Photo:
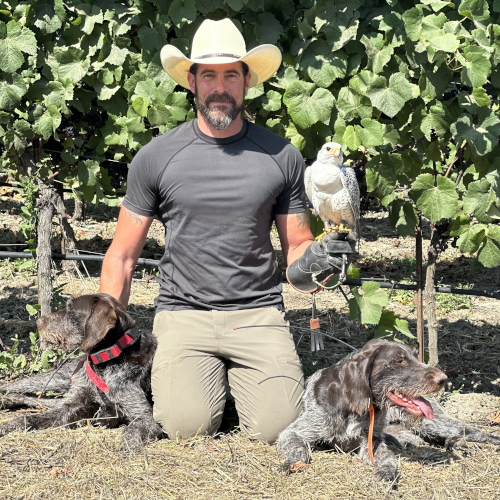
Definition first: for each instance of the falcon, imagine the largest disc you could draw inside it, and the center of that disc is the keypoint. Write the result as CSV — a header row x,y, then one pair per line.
x,y
333,190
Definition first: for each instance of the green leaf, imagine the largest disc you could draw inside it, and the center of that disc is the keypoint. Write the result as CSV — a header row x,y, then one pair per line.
x,y
369,304
70,63
117,56
12,89
471,237
268,29
272,102
352,104
481,137
476,67
47,124
434,119
479,200
413,23
445,43
378,53
182,11
152,39
489,254
322,65
18,40
381,177
403,217
371,132
437,200
160,115
351,138
476,10
390,98
307,104
46,18
87,172
141,105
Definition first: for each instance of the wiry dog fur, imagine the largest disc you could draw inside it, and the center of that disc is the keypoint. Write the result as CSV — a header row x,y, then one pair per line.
x,y
337,400
91,322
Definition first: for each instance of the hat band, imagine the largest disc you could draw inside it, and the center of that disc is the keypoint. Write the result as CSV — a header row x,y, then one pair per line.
x,y
217,55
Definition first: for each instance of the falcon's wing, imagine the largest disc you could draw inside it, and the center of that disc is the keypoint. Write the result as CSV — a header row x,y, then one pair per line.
x,y
351,186
308,183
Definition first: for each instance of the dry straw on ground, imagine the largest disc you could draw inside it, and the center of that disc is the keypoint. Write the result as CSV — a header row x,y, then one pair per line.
x,y
85,464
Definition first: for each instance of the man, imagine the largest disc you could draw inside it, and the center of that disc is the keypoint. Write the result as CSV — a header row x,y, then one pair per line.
x,y
217,183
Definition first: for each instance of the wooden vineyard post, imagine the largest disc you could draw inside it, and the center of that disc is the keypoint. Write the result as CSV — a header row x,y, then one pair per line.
x,y
420,324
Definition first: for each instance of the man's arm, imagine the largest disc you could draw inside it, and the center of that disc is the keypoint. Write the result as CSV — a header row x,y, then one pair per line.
x,y
295,235
121,257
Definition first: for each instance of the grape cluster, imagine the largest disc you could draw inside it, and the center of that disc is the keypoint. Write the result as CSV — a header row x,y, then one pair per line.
x,y
441,246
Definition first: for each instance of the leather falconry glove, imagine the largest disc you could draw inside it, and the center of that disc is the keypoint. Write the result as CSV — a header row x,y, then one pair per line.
x,y
324,259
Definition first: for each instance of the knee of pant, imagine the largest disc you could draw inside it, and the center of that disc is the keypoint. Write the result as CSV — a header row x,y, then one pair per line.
x,y
269,427
186,426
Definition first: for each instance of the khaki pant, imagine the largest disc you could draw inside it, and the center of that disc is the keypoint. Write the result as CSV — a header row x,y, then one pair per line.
x,y
189,370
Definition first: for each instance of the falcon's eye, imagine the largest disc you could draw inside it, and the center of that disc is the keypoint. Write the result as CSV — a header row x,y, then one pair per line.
x,y
328,149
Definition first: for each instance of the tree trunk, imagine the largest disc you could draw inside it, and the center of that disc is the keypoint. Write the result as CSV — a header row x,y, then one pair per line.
x,y
79,213
45,204
67,234
430,299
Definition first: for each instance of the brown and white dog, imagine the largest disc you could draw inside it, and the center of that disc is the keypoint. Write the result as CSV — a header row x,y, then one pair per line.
x,y
385,379
112,383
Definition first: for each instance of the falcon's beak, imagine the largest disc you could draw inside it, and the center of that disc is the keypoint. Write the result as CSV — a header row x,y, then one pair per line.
x,y
335,152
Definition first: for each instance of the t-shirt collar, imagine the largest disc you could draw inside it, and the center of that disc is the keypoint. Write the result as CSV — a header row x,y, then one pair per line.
x,y
226,140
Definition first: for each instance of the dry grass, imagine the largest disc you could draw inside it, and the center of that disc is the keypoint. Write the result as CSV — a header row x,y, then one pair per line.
x,y
85,464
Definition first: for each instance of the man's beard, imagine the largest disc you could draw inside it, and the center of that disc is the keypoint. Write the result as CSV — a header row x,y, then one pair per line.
x,y
219,118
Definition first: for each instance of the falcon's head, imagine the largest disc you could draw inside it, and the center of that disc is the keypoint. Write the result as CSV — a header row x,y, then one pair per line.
x,y
331,153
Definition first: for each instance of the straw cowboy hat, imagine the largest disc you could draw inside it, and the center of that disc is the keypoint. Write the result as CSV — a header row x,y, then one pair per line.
x,y
220,42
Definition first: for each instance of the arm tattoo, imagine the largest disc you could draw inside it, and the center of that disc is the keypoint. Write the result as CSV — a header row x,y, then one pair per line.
x,y
133,216
303,219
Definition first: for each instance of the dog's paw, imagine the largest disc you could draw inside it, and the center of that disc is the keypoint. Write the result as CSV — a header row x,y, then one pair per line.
x,y
389,474
297,467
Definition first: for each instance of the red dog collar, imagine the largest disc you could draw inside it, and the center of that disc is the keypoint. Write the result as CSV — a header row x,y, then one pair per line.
x,y
129,338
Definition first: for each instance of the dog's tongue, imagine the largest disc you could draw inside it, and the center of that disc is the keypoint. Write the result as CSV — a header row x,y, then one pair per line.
x,y
425,407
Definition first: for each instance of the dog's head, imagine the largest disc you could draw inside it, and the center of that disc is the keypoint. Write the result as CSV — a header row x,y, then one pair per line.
x,y
84,322
389,374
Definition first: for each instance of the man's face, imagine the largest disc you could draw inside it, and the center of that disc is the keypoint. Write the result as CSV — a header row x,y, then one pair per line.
x,y
219,91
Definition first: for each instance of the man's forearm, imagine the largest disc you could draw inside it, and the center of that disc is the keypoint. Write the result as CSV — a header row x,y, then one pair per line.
x,y
116,276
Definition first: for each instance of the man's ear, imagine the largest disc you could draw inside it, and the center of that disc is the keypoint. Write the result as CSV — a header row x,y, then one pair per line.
x,y
99,322
192,82
247,83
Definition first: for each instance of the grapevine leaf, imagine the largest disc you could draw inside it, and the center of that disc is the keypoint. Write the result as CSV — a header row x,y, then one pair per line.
x,y
87,172
352,104
479,200
307,104
18,40
378,53
447,43
476,10
489,253
268,29
272,102
437,200
152,39
381,177
476,67
117,56
45,16
371,132
47,124
434,119
322,65
182,11
12,89
482,137
403,217
351,138
413,23
390,98
71,63
369,304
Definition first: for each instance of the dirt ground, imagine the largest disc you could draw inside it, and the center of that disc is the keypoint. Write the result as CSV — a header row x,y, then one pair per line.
x,y
469,347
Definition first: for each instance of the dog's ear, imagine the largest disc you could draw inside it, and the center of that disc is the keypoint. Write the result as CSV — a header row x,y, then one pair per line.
x,y
355,378
100,320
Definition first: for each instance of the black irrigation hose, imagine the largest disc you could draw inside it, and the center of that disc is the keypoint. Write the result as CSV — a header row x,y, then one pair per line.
x,y
350,282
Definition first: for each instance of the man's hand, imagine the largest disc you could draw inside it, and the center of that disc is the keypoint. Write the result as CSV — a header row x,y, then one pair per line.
x,y
322,258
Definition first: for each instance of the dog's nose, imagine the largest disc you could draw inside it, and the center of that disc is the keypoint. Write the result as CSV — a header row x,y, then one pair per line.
x,y
440,378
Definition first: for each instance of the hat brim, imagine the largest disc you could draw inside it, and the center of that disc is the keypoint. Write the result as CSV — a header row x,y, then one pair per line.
x,y
263,62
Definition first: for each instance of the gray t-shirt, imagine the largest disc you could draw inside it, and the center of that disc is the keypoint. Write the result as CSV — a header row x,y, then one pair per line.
x,y
217,199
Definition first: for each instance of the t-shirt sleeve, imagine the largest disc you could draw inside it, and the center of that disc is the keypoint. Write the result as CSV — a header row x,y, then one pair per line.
x,y
292,200
142,196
